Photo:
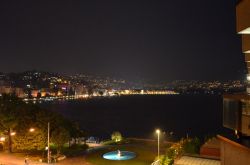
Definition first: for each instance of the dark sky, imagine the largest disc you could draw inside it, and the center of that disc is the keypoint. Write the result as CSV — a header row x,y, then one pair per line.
x,y
153,39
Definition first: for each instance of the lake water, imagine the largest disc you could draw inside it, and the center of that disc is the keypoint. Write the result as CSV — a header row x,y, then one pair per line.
x,y
139,116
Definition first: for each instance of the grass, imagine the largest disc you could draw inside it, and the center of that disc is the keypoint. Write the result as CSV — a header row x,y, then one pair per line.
x,y
146,153
112,142
74,150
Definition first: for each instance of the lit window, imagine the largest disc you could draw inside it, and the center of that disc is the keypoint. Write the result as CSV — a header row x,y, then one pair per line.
x,y
248,77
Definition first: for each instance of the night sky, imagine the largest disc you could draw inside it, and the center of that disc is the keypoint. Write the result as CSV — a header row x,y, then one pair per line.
x,y
152,39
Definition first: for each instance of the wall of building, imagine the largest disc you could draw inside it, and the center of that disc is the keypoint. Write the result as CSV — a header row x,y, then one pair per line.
x,y
243,27
243,15
231,154
211,148
245,42
245,124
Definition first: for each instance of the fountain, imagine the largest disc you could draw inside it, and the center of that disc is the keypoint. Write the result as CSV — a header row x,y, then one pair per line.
x,y
119,155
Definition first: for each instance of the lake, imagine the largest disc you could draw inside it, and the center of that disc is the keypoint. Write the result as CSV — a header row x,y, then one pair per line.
x,y
139,116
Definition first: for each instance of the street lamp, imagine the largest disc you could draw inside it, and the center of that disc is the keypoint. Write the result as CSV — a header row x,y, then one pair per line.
x,y
13,133
158,137
48,143
32,129
2,139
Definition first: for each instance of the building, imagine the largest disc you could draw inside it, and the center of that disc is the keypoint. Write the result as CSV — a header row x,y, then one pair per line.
x,y
6,90
81,90
191,160
211,149
235,145
19,92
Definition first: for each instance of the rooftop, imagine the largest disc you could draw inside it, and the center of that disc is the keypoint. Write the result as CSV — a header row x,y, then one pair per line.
x,y
187,160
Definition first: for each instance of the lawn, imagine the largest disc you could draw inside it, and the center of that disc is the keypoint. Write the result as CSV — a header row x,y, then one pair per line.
x,y
145,151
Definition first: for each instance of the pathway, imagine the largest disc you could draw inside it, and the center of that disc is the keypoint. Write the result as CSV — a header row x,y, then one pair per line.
x,y
11,159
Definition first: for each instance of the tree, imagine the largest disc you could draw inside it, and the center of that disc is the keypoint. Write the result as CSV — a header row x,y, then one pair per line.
x,y
116,136
9,105
59,137
17,116
187,145
25,141
74,130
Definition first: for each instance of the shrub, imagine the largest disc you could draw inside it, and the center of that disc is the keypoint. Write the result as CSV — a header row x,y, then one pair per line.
x,y
116,136
192,146
165,160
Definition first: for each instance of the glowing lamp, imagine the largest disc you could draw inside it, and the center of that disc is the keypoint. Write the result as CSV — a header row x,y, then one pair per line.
x,y
13,133
248,77
32,130
2,139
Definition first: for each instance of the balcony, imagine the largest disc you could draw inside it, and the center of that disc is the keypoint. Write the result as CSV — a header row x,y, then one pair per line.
x,y
243,17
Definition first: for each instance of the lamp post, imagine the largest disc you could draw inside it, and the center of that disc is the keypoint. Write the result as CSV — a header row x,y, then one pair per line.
x,y
158,139
10,141
48,144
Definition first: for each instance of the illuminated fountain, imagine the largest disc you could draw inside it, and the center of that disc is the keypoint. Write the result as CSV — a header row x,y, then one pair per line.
x,y
119,155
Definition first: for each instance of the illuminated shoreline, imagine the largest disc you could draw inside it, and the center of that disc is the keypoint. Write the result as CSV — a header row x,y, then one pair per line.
x,y
96,95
